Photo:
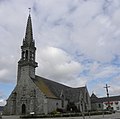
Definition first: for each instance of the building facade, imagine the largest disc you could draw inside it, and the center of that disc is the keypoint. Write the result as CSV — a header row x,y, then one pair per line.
x,y
37,94
105,103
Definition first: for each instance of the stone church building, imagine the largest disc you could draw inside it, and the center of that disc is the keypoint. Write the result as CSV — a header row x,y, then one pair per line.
x,y
37,94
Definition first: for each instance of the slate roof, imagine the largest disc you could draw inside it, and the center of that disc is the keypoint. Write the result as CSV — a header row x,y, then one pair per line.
x,y
95,99
52,89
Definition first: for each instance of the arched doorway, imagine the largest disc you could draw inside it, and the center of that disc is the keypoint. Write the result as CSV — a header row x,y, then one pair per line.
x,y
23,109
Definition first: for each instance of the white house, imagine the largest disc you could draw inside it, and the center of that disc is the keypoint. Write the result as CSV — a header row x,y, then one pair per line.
x,y
113,102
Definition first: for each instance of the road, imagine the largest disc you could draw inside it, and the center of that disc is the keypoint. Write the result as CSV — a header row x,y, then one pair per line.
x,y
112,116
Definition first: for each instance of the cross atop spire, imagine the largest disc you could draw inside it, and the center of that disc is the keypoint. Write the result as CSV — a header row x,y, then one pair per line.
x,y
29,10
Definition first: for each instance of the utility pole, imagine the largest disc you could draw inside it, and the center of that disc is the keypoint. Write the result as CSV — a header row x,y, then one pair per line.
x,y
81,101
107,87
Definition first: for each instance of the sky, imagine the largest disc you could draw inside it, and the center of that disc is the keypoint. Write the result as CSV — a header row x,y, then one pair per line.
x,y
78,42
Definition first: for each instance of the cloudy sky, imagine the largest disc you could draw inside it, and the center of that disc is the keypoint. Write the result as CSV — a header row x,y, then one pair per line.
x,y
78,42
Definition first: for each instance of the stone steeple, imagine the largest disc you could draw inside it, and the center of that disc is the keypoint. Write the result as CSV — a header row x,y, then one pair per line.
x,y
29,33
28,40
27,61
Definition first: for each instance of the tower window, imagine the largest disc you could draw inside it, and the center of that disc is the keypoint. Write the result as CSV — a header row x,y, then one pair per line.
x,y
26,56
23,55
31,55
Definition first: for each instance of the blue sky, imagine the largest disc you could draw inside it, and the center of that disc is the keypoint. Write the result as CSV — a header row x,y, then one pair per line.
x,y
78,42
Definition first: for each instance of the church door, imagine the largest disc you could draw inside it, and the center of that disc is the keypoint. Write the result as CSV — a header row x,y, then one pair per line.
x,y
23,109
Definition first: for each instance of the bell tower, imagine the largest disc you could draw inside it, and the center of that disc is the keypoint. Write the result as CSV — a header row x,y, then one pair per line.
x,y
27,64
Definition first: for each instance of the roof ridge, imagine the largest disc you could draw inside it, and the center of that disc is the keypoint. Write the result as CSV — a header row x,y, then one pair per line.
x,y
60,83
53,81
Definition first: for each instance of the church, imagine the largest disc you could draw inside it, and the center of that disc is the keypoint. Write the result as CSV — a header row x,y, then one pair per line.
x,y
38,95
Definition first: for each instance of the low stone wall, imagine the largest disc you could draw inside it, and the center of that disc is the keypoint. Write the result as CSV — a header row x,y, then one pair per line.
x,y
67,115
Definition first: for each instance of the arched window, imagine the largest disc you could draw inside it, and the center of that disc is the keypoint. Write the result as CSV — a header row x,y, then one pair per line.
x,y
31,55
23,109
23,55
26,56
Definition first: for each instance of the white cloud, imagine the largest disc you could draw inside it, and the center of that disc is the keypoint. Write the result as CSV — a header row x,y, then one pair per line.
x,y
115,86
8,69
3,73
77,41
60,66
2,102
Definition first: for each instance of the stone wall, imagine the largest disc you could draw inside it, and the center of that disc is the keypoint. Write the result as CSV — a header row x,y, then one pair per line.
x,y
27,94
53,104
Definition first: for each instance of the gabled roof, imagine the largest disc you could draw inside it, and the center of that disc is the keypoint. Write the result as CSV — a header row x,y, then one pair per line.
x,y
104,99
113,98
93,96
52,89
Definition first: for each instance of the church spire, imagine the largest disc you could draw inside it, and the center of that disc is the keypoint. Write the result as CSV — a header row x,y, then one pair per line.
x,y
28,50
29,32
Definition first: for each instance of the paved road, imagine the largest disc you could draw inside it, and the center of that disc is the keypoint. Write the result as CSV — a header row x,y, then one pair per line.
x,y
112,116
